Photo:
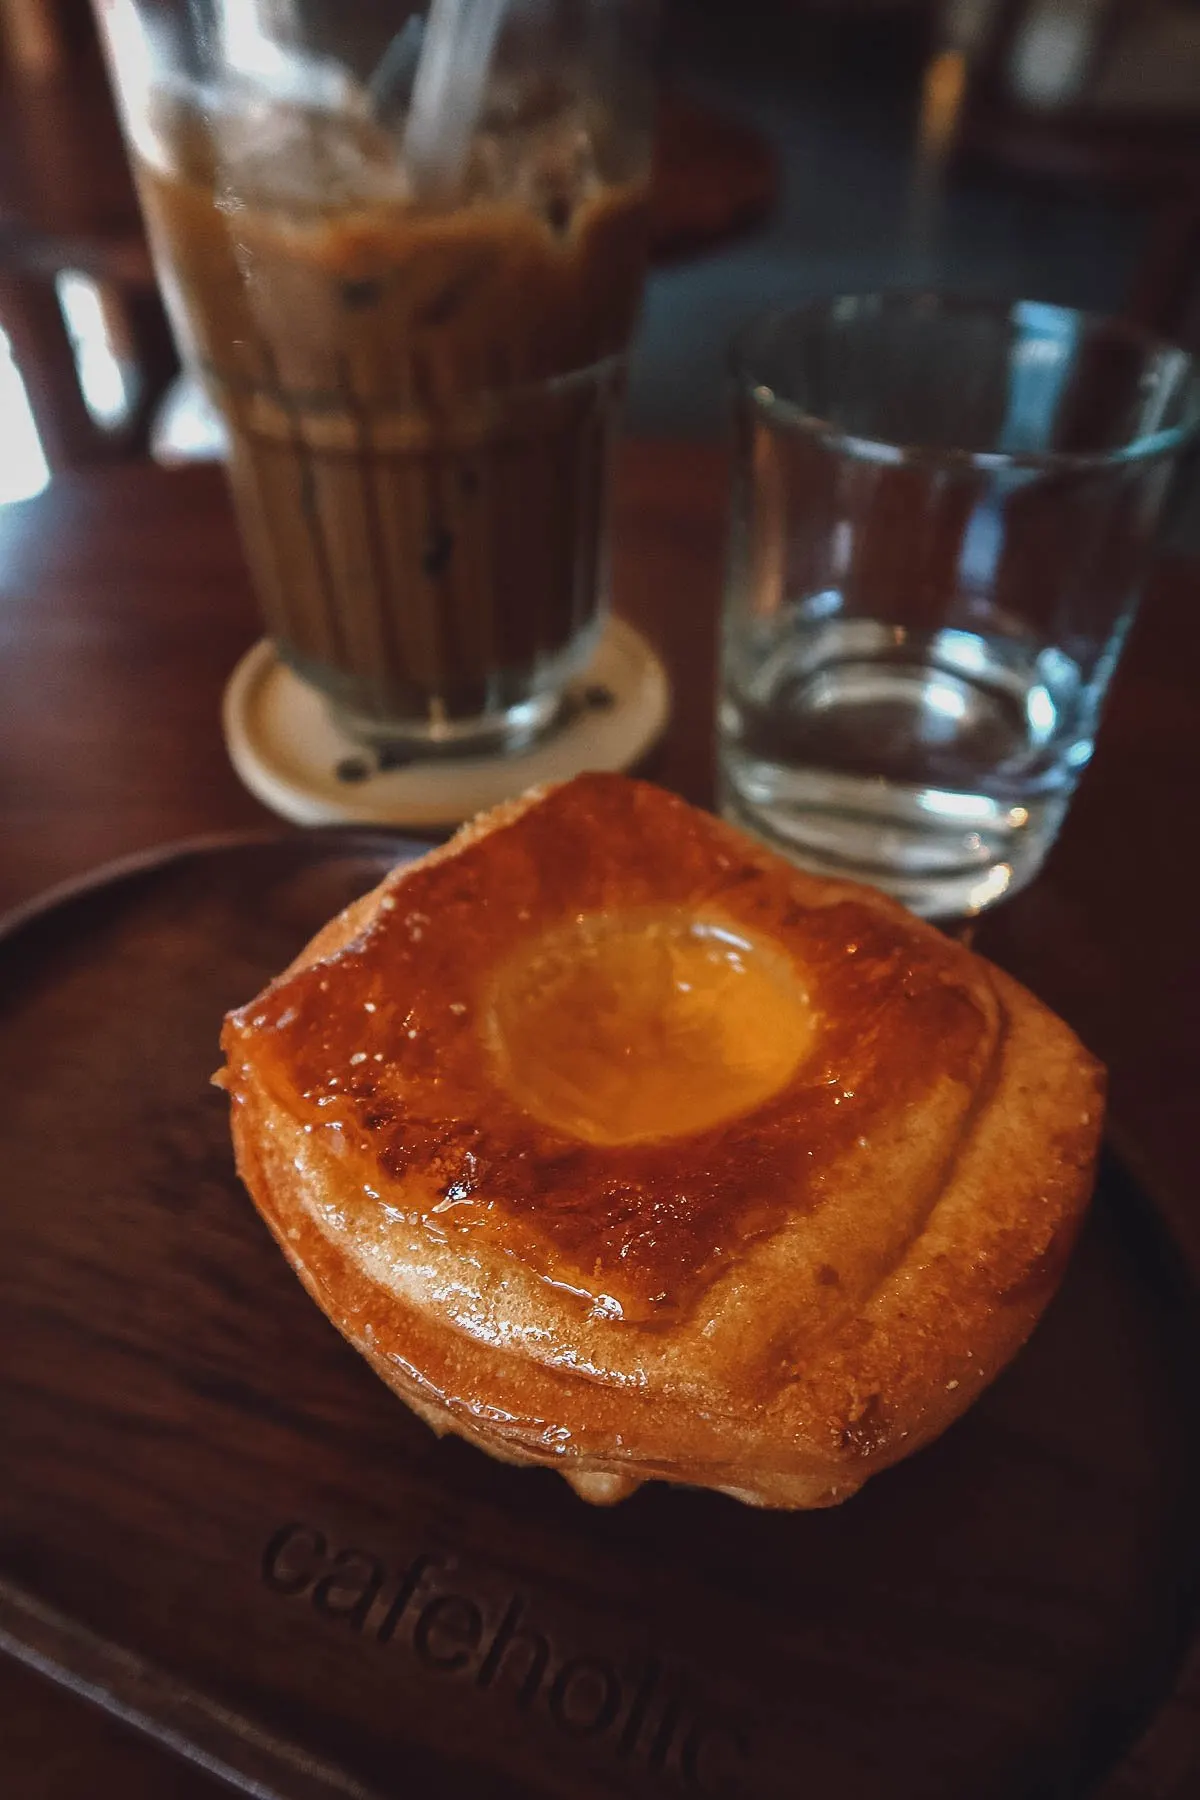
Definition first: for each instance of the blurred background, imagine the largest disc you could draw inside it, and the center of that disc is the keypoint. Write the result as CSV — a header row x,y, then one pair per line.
x,y
1047,148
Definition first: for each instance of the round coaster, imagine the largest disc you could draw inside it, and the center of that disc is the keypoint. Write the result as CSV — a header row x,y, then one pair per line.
x,y
285,745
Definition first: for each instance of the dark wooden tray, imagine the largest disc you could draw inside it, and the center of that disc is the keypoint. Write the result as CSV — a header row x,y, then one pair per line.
x,y
217,1522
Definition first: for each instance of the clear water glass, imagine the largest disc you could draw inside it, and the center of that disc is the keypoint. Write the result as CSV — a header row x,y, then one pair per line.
x,y
943,511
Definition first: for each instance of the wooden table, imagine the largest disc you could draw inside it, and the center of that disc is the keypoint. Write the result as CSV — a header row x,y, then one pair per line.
x,y
123,606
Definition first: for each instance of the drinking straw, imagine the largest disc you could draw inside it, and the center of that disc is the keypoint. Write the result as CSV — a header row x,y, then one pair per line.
x,y
456,54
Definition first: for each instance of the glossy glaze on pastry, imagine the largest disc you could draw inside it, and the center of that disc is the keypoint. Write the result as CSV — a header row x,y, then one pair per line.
x,y
616,1143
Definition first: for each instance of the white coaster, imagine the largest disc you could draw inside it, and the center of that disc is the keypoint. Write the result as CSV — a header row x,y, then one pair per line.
x,y
284,744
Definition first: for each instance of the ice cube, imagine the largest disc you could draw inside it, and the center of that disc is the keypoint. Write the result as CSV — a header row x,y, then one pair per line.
x,y
557,172
548,165
278,153
251,49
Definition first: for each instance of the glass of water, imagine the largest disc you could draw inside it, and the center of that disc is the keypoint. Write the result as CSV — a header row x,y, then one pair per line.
x,y
942,513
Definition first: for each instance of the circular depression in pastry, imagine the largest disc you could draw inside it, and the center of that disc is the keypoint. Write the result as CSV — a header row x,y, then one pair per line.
x,y
639,1025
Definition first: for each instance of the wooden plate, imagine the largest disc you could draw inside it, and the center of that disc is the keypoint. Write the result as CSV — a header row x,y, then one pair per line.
x,y
216,1521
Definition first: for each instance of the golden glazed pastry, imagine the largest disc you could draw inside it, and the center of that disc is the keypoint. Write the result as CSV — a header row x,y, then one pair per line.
x,y
615,1143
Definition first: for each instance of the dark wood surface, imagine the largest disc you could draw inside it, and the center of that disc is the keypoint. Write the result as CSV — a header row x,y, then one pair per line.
x,y
200,1471
122,608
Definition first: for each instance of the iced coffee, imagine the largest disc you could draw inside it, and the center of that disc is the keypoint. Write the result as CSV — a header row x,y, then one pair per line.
x,y
419,394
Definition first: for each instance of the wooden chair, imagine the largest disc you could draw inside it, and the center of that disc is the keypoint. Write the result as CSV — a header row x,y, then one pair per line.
x,y
68,206
1083,122
1079,90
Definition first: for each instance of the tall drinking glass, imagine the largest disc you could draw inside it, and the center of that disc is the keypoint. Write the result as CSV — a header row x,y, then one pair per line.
x,y
942,515
406,271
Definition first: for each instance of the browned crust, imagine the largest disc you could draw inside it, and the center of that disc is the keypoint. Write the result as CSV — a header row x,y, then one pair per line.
x,y
735,1396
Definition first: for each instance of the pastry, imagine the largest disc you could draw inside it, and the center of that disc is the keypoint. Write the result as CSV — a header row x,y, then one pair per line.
x,y
619,1145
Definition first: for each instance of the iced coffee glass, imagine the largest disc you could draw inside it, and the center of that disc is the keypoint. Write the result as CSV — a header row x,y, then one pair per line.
x,y
418,357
